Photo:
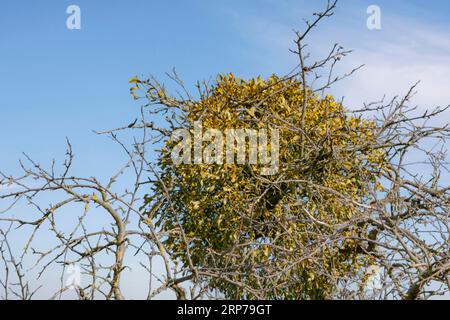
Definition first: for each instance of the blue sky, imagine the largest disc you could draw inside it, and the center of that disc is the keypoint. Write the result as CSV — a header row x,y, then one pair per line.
x,y
56,82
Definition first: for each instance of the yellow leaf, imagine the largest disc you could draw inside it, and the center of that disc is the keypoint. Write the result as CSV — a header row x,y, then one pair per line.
x,y
134,80
196,204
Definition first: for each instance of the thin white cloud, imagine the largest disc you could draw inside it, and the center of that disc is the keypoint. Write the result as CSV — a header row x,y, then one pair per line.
x,y
396,57
393,64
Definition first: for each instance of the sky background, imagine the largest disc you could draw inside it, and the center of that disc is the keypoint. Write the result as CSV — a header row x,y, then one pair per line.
x,y
56,82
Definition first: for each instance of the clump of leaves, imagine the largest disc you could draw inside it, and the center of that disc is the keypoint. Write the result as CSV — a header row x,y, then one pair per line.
x,y
280,236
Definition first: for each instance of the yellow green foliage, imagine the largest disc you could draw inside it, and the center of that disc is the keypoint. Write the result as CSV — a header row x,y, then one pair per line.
x,y
251,225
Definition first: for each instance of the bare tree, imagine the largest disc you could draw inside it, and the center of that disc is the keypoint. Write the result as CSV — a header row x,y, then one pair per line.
x,y
401,226
99,251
